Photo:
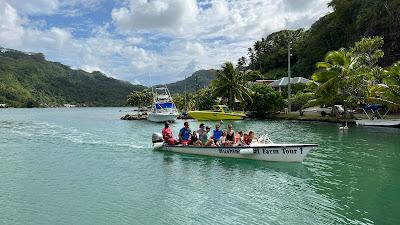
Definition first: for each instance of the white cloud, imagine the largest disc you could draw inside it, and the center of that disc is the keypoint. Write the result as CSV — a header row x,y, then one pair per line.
x,y
49,7
10,25
34,6
166,15
167,39
222,18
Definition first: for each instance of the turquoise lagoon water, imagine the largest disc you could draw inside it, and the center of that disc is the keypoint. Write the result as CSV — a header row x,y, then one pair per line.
x,y
86,166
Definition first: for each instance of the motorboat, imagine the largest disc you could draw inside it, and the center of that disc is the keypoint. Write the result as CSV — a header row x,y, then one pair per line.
x,y
260,150
376,119
218,112
164,108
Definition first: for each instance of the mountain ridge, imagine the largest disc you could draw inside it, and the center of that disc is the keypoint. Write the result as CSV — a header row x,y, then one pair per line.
x,y
199,79
29,80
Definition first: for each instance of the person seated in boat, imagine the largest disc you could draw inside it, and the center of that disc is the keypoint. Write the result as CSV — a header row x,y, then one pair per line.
x,y
206,138
224,141
201,131
238,136
185,134
167,134
230,134
217,133
248,138
239,139
195,139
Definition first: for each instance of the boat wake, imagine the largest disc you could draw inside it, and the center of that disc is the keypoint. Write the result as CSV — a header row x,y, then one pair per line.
x,y
46,132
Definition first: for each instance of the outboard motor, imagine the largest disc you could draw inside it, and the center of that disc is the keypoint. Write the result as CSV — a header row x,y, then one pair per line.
x,y
157,137
157,140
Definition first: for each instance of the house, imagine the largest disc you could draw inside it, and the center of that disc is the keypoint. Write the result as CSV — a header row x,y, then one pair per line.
x,y
278,84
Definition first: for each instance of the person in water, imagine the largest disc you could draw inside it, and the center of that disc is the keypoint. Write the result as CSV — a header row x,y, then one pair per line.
x,y
217,133
185,134
167,135
230,134
194,139
206,139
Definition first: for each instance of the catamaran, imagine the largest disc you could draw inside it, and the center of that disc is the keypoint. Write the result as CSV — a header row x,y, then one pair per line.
x,y
164,108
263,149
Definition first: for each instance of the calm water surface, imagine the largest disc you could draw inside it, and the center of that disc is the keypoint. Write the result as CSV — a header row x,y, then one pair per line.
x,y
85,166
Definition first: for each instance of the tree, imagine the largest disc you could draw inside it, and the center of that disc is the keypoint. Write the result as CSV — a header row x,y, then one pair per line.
x,y
242,63
231,84
140,98
367,53
252,75
265,100
388,93
179,101
203,99
345,76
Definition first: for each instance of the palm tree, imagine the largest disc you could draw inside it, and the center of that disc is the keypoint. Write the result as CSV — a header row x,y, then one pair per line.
x,y
231,84
339,81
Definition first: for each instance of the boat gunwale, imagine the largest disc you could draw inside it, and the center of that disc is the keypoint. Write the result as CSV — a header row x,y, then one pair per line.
x,y
244,147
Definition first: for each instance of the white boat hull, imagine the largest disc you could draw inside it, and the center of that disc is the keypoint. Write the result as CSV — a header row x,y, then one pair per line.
x,y
379,122
162,117
265,152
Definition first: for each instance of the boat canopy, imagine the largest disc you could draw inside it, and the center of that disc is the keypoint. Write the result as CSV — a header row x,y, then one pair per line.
x,y
164,105
372,107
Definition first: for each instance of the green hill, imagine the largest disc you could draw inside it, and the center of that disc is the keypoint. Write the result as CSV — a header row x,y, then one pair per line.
x,y
29,80
198,80
349,21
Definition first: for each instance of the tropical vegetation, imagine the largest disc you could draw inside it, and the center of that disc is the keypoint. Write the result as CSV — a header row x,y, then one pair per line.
x,y
231,85
140,98
29,80
353,77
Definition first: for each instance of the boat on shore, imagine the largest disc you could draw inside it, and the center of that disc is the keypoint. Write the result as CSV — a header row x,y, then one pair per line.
x,y
219,112
376,119
164,108
379,122
255,151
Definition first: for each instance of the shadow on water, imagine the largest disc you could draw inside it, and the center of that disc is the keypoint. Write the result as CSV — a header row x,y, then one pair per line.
x,y
245,165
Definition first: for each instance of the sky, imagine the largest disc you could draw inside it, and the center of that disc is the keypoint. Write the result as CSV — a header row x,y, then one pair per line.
x,y
148,41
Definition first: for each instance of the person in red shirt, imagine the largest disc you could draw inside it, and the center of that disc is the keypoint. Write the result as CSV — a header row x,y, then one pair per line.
x,y
167,135
249,138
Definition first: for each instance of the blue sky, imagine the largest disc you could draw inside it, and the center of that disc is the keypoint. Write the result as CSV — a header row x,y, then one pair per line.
x,y
148,41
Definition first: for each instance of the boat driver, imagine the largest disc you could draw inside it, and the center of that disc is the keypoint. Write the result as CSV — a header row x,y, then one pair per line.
x,y
185,134
167,134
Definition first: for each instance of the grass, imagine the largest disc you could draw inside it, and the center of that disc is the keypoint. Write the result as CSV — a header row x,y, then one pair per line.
x,y
310,116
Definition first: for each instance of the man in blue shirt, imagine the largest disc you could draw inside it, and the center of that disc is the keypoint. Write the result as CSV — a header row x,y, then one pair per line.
x,y
185,133
217,133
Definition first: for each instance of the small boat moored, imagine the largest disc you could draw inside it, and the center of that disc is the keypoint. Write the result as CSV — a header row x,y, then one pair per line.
x,y
376,119
255,151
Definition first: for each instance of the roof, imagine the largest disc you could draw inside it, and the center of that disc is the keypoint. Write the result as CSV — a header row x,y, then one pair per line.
x,y
263,82
293,80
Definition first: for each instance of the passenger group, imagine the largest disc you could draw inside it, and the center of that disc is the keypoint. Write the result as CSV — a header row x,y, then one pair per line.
x,y
203,137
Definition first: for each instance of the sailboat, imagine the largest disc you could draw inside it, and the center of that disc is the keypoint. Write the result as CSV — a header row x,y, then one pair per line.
x,y
164,108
